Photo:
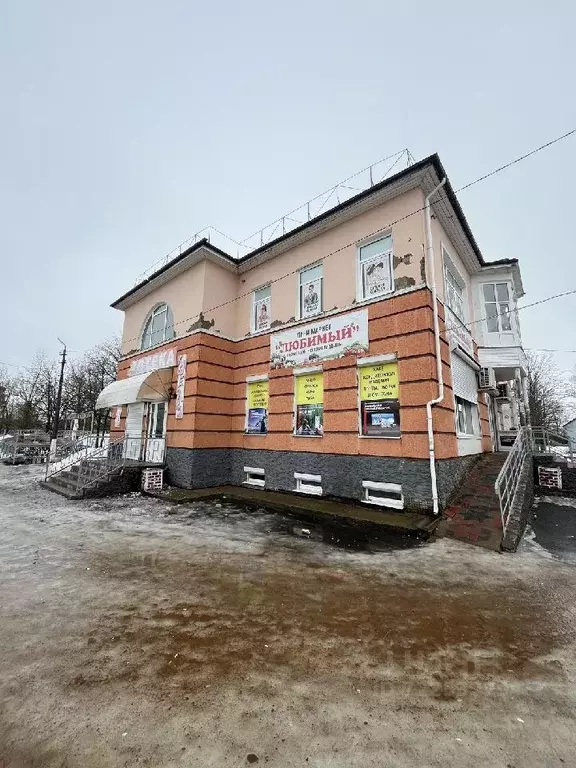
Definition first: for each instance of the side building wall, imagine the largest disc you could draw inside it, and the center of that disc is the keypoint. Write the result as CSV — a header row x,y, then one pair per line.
x,y
209,447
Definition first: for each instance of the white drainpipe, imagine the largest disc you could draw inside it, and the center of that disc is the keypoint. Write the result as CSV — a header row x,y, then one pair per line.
x,y
432,278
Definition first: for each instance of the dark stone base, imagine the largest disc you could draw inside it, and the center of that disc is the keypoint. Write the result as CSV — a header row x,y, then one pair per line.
x,y
342,475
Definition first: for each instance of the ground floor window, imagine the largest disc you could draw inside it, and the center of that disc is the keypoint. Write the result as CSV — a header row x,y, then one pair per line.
x,y
309,397
467,421
379,403
257,407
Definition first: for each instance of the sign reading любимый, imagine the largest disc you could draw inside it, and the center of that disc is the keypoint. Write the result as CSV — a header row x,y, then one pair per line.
x,y
324,340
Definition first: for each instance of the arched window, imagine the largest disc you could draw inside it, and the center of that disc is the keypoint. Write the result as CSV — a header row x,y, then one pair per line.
x,y
159,327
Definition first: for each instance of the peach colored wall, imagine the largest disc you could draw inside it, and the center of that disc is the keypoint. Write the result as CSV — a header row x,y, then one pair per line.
x,y
184,295
439,239
339,268
220,293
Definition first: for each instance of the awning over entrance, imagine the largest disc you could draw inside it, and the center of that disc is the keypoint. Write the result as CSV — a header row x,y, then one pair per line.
x,y
152,386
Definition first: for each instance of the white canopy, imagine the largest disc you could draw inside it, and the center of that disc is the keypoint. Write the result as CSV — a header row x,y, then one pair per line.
x,y
153,386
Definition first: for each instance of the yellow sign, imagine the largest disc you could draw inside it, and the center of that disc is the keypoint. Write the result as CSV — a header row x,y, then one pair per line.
x,y
379,382
310,389
257,394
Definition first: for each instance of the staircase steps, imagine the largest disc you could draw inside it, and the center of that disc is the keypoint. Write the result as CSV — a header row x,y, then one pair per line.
x,y
474,514
65,482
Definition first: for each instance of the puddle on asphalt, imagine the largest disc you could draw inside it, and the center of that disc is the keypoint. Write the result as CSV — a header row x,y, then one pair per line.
x,y
203,620
363,537
205,614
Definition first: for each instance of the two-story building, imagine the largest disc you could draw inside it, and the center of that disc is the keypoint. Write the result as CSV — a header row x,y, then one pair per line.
x,y
320,362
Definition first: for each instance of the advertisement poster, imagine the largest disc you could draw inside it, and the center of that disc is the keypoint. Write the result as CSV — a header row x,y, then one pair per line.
x,y
311,298
262,314
330,338
379,382
380,418
310,405
377,277
379,406
180,385
257,412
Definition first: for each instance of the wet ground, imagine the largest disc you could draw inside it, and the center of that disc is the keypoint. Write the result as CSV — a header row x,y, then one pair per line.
x,y
135,633
553,527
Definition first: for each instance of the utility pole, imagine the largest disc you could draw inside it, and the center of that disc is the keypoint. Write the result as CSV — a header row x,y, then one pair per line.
x,y
58,400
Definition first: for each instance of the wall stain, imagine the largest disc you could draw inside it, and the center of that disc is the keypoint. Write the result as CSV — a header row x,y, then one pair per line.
x,y
400,283
406,259
423,269
201,323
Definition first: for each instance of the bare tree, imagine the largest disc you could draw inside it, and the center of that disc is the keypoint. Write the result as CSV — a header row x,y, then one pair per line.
x,y
547,391
27,400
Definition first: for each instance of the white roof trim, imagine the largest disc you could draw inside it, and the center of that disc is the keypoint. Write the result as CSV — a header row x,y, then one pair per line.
x,y
152,386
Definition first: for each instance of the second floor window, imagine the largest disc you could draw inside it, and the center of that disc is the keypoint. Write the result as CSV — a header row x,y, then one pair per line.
x,y
261,309
497,307
455,288
159,327
310,291
375,269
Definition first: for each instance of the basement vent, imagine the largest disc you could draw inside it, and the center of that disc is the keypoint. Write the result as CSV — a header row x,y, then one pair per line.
x,y
308,483
255,476
383,494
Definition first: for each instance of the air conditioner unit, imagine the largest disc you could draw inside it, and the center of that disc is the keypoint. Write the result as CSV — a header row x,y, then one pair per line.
x,y
487,379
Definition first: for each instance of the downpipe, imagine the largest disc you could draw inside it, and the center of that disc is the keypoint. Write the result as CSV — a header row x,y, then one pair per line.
x,y
432,277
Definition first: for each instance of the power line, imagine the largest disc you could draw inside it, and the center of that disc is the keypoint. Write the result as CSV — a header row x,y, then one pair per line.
x,y
510,311
377,231
541,349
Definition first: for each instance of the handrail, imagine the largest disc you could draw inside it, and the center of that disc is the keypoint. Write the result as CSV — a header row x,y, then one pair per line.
x,y
102,463
508,480
544,441
68,455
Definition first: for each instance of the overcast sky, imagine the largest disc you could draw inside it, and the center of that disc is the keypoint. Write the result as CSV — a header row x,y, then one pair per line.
x,y
127,126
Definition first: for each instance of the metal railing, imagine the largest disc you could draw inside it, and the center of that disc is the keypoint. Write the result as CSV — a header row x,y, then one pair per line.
x,y
69,453
339,193
103,463
29,447
508,480
545,442
92,464
529,442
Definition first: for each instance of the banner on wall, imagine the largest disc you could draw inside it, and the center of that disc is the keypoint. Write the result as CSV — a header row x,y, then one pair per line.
x,y
118,416
333,337
180,386
257,407
310,405
164,359
379,405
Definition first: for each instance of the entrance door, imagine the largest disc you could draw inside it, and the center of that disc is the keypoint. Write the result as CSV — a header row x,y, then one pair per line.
x,y
156,432
133,433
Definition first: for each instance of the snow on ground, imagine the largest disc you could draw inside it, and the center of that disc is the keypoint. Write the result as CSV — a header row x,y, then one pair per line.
x,y
135,632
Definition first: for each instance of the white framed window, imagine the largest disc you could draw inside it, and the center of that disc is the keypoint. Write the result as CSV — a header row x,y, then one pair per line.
x,y
261,308
497,305
308,483
454,288
383,494
375,277
255,476
467,421
158,328
310,291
